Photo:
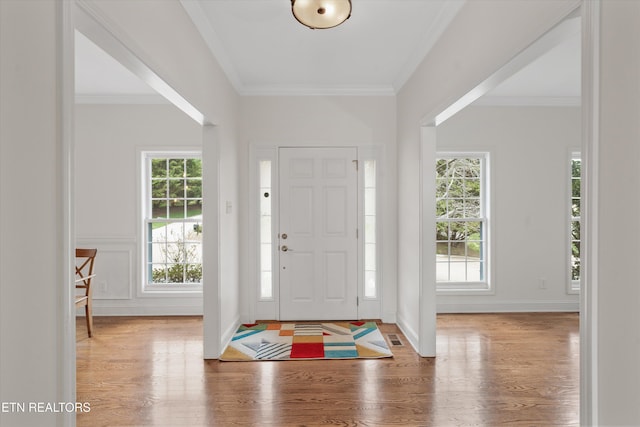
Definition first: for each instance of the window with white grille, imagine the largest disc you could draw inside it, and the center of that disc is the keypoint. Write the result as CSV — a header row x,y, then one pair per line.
x,y
574,237
461,221
172,221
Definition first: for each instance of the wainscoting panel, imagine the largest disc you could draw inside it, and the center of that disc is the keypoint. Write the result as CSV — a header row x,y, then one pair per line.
x,y
114,267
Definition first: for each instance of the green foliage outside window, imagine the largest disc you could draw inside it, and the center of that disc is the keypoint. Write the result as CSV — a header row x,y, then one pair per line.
x,y
176,188
175,238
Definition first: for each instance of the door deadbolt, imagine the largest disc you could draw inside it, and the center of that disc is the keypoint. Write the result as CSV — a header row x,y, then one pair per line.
x,y
284,236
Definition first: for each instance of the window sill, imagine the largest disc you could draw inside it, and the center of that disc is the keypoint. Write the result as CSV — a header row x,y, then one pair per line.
x,y
172,292
573,288
464,289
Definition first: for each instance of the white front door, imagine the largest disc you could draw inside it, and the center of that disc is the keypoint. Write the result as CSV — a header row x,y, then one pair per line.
x,y
318,233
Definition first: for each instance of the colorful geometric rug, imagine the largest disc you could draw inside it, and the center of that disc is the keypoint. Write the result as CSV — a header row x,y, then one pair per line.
x,y
306,341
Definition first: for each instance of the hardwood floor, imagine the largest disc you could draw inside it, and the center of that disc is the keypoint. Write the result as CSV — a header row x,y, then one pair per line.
x,y
490,370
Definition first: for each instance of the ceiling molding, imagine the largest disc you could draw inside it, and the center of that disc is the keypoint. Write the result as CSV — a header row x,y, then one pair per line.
x,y
292,90
210,37
197,14
110,38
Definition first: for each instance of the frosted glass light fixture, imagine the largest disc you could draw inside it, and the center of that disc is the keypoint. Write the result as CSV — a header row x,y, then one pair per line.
x,y
321,14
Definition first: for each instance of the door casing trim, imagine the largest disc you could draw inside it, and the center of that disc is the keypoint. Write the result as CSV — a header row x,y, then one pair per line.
x,y
269,309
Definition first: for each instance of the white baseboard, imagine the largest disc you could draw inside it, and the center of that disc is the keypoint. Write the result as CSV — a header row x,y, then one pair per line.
x,y
147,311
509,307
227,335
408,332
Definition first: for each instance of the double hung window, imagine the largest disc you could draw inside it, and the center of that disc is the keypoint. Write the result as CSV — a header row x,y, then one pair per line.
x,y
461,221
173,221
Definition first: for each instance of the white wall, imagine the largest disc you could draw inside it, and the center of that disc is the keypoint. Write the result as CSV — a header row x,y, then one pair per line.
x,y
469,51
109,139
529,149
328,121
32,259
618,292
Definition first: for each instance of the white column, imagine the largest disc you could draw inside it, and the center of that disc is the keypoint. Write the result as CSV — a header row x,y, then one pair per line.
x,y
35,210
427,330
618,214
211,243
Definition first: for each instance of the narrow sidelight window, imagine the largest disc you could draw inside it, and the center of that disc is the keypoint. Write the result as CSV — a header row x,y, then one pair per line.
x,y
266,233
370,251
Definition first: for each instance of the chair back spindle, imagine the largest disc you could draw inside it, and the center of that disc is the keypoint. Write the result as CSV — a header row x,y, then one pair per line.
x,y
85,259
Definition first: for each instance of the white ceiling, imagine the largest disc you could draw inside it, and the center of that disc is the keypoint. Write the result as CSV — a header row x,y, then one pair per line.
x,y
264,51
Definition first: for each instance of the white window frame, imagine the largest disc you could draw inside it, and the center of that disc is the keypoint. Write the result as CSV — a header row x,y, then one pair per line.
x,y
370,210
370,306
573,286
484,286
266,235
147,288
262,308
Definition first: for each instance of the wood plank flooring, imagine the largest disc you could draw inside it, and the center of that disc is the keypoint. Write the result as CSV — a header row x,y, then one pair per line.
x,y
490,370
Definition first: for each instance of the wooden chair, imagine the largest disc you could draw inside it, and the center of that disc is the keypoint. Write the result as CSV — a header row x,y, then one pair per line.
x,y
84,274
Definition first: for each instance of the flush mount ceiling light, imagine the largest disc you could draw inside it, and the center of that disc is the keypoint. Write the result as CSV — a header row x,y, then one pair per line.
x,y
321,14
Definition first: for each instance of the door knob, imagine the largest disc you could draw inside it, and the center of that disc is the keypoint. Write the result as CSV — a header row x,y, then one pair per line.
x,y
284,248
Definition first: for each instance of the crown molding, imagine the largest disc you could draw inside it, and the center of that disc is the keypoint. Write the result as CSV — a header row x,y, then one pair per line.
x,y
485,101
293,90
203,25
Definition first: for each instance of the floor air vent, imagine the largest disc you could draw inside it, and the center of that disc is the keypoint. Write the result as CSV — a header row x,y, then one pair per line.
x,y
394,340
